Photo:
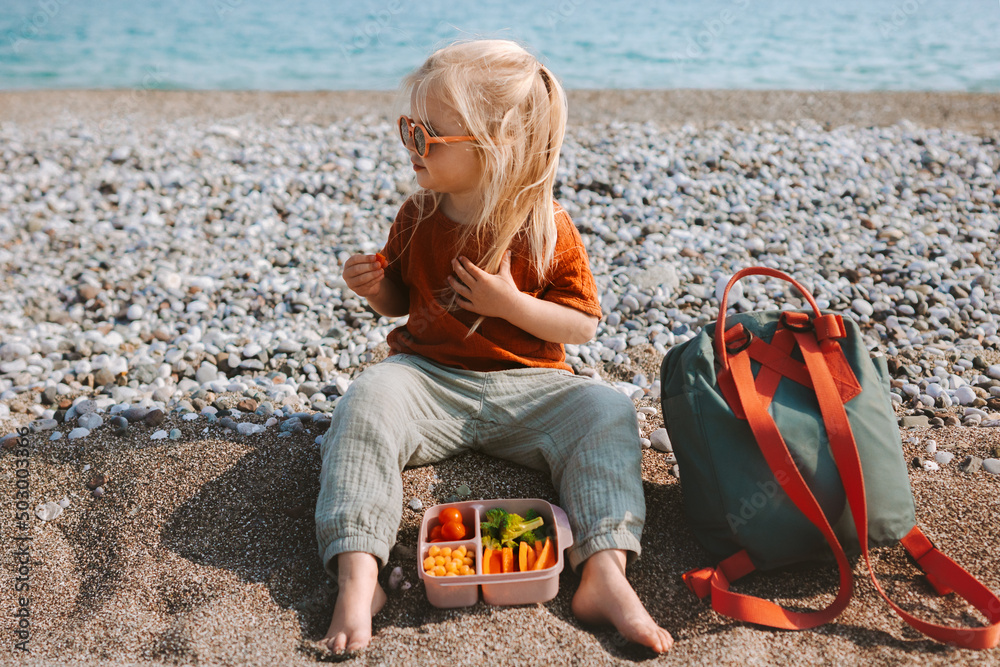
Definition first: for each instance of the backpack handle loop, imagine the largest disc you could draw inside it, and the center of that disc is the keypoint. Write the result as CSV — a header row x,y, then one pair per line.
x,y
720,326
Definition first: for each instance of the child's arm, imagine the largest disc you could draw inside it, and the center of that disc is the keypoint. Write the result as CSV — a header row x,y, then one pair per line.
x,y
498,296
552,322
365,276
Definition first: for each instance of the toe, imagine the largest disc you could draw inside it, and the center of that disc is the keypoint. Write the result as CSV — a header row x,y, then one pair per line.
x,y
653,637
357,644
337,642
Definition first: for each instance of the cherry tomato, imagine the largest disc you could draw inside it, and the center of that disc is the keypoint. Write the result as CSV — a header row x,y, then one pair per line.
x,y
435,533
449,515
453,530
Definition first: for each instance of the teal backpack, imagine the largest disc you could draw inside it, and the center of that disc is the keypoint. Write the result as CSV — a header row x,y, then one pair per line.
x,y
789,449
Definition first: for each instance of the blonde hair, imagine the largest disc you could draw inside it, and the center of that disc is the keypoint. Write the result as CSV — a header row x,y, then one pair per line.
x,y
516,109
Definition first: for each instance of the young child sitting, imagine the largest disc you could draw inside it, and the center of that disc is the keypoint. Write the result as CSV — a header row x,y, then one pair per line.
x,y
495,279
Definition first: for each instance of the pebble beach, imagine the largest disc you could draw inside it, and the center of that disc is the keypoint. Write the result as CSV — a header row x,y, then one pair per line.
x,y
175,336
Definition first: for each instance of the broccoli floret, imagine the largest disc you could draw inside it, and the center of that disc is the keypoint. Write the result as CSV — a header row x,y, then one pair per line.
x,y
515,526
494,519
530,537
501,529
493,527
538,534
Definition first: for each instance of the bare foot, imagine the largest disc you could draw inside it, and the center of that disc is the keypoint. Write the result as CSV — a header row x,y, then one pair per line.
x,y
358,599
606,597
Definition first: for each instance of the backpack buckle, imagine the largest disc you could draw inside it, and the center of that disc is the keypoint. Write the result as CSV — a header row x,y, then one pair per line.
x,y
738,339
796,322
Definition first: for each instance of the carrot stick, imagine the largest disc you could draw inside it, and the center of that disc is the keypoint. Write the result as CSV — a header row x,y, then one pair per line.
x,y
522,557
532,557
487,554
551,560
543,558
496,562
508,560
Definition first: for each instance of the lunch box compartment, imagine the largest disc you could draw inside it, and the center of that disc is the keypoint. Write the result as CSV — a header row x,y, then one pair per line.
x,y
511,588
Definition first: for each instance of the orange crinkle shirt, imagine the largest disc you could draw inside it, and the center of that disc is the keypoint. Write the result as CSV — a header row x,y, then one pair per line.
x,y
419,256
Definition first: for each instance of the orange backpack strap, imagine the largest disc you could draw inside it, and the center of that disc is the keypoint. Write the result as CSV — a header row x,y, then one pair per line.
x,y
943,573
779,459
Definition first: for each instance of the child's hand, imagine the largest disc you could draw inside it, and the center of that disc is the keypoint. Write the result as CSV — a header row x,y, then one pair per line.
x,y
483,293
364,275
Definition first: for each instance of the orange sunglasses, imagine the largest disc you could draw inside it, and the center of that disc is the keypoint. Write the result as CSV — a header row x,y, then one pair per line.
x,y
421,137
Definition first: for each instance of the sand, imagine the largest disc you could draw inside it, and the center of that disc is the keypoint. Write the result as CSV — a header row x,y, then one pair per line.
x,y
965,111
203,550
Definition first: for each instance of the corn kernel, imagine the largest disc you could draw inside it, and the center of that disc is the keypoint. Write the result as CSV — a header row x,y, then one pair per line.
x,y
461,551
439,570
468,560
452,566
450,574
445,551
429,563
434,550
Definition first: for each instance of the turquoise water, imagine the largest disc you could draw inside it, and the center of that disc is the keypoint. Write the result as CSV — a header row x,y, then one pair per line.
x,y
324,45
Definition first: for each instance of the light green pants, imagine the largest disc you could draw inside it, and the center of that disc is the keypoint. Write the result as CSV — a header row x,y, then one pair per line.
x,y
409,411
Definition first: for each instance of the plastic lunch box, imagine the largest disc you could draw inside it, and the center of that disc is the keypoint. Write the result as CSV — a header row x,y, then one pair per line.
x,y
498,589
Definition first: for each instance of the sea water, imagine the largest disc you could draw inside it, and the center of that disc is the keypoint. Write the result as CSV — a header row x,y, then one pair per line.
x,y
333,45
